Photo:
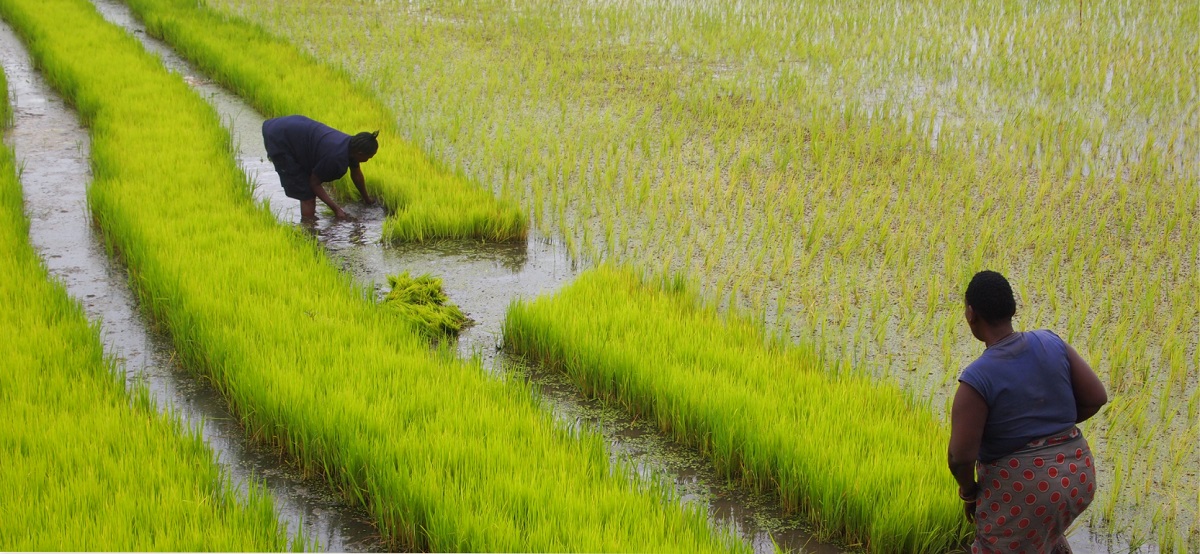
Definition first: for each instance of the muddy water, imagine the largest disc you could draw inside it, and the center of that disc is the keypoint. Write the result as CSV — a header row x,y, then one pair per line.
x,y
53,149
482,280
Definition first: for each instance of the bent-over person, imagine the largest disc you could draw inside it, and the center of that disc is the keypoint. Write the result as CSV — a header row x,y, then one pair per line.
x,y
308,153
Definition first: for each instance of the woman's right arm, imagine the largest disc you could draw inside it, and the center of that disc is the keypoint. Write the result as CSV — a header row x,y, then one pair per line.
x,y
1089,391
968,415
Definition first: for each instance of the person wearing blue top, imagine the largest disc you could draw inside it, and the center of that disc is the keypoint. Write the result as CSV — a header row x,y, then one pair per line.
x,y
1024,469
308,153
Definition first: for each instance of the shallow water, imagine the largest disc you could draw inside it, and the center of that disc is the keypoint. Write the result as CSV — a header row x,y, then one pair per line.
x,y
483,279
53,149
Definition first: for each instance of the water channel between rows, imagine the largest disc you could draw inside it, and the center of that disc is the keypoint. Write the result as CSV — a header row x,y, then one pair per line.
x,y
53,149
483,279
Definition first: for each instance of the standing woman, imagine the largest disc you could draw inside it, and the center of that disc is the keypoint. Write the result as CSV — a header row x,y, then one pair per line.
x,y
1013,423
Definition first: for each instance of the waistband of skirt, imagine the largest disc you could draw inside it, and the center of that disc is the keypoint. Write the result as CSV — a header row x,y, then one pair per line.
x,y
1053,440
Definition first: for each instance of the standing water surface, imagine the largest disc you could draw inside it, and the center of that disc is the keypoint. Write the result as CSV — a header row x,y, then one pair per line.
x,y
481,278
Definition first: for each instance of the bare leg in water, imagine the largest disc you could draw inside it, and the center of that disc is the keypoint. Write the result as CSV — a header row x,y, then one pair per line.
x,y
308,210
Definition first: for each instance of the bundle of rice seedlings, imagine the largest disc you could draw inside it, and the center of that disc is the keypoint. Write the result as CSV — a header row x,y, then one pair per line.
x,y
422,301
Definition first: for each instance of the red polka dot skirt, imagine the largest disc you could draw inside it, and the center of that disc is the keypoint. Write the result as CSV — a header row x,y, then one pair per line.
x,y
1028,500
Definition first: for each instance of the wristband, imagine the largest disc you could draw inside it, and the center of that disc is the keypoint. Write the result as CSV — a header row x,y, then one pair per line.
x,y
970,497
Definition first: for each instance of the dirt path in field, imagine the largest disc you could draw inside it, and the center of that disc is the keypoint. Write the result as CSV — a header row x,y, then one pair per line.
x,y
52,150
482,280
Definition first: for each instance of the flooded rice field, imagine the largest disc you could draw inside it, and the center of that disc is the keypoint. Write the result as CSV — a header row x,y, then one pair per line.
x,y
53,149
481,278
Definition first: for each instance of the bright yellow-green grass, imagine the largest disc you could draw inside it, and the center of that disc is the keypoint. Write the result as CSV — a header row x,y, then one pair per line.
x,y
422,299
87,465
844,168
857,457
427,201
443,456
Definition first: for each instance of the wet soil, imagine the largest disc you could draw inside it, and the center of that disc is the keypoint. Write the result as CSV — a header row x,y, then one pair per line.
x,y
52,148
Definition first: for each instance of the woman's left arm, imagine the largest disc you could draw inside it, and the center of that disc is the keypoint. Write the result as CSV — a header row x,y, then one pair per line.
x,y
356,176
1090,395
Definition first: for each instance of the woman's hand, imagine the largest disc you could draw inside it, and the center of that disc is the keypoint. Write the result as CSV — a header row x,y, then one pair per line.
x,y
969,510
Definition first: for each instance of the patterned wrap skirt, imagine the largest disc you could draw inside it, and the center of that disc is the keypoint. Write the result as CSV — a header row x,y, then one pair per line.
x,y
1028,499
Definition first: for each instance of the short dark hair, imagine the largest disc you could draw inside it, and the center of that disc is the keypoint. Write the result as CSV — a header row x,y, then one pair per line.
x,y
990,295
365,143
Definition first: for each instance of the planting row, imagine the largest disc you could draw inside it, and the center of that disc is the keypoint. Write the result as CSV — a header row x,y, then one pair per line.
x,y
427,201
858,458
442,456
815,162
408,295
87,464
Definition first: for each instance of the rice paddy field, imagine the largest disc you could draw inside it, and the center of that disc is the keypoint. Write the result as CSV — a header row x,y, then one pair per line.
x,y
221,278
89,465
426,200
839,171
769,414
782,203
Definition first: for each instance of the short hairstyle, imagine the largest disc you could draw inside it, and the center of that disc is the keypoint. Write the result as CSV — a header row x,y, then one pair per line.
x,y
365,143
990,295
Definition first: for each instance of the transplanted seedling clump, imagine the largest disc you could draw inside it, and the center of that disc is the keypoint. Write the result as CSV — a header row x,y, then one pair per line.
x,y
422,301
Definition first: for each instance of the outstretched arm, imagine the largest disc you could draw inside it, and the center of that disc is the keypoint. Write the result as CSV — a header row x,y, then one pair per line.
x,y
319,190
356,175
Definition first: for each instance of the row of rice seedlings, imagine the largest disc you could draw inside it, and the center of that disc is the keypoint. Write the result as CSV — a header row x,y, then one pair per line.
x,y
422,299
857,457
6,114
823,167
426,200
88,465
441,455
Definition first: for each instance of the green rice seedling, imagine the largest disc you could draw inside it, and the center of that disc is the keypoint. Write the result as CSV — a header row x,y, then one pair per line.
x,y
442,456
422,300
5,108
858,457
88,465
966,129
427,200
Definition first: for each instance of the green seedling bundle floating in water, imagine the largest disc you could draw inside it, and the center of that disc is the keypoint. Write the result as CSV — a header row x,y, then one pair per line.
x,y
87,465
422,299
428,201
857,457
441,455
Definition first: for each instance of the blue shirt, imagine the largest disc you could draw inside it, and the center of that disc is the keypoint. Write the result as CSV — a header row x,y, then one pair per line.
x,y
315,148
1026,381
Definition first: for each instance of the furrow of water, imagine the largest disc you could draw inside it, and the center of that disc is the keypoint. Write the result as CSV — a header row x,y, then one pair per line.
x,y
52,148
483,279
